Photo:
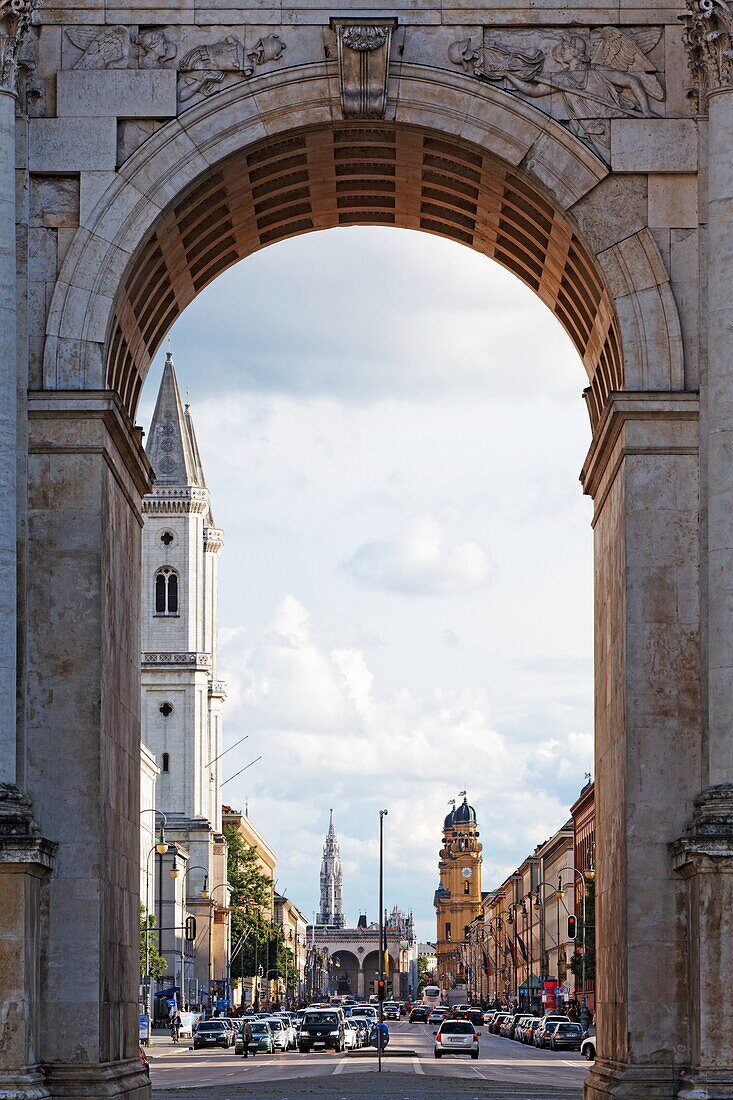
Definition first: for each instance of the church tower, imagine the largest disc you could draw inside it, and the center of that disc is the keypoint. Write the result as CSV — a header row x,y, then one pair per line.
x,y
182,696
331,912
458,898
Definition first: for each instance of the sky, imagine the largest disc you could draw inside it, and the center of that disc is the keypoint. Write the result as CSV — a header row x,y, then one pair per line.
x,y
391,427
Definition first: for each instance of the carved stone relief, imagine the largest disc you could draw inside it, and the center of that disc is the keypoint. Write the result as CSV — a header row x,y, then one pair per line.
x,y
588,75
105,49
15,19
709,42
363,57
204,68
153,48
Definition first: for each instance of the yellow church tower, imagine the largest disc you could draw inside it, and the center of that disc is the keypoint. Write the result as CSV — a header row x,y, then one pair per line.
x,y
458,898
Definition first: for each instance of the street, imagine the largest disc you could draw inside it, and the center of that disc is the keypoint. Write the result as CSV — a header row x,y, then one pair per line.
x,y
504,1070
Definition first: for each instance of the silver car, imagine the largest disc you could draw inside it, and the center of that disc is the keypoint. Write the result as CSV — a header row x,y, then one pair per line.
x,y
456,1037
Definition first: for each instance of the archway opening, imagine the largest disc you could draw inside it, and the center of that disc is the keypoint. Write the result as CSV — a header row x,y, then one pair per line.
x,y
362,174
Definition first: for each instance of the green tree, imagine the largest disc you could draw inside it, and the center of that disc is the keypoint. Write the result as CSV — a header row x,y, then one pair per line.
x,y
252,932
424,974
151,961
576,961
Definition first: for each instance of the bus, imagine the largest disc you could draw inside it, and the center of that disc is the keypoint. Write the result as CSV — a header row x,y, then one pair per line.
x,y
431,995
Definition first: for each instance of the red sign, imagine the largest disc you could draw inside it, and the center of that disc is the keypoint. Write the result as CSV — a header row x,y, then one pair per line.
x,y
549,997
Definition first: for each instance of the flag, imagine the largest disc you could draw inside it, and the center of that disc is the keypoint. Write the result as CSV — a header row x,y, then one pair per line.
x,y
509,949
522,948
489,966
386,963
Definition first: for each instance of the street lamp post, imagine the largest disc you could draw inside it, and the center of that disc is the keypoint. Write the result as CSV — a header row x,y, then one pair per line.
x,y
382,815
211,922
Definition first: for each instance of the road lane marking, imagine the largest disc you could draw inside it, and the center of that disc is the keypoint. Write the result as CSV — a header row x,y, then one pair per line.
x,y
339,1068
416,1065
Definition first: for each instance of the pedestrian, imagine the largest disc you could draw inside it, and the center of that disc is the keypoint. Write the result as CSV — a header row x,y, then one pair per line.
x,y
175,1027
246,1033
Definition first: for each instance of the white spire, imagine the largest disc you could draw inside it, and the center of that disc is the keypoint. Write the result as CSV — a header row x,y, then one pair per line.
x,y
331,910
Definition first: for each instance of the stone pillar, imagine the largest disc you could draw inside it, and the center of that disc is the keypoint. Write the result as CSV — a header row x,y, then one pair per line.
x,y
25,856
703,855
87,473
642,471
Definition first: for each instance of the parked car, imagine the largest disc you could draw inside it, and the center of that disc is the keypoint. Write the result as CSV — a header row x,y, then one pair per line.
x,y
456,1037
565,1036
498,1022
541,1035
529,1029
519,1023
419,1014
321,1027
588,1047
391,1010
212,1033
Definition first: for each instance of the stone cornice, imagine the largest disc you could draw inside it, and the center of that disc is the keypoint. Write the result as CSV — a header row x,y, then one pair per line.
x,y
709,43
213,540
104,405
15,19
627,407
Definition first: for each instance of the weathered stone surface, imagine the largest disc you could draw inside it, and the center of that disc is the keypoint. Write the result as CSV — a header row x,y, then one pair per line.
x,y
72,144
127,93
653,145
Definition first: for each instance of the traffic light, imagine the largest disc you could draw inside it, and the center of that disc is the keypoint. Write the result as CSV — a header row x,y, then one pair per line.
x,y
381,989
190,929
572,927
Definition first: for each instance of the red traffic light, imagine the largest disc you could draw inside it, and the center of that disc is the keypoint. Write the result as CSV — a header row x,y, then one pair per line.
x,y
381,989
572,927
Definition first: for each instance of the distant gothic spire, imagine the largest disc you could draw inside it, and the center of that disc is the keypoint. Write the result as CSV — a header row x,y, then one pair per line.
x,y
331,911
172,447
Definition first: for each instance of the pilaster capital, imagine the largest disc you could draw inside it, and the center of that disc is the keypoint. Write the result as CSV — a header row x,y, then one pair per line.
x,y
709,43
15,19
20,840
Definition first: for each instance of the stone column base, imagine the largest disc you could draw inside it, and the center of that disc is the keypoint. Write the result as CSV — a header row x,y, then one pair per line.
x,y
626,1082
126,1078
23,1086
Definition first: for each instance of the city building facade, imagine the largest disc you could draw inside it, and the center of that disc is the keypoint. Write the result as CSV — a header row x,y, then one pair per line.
x,y
458,897
181,712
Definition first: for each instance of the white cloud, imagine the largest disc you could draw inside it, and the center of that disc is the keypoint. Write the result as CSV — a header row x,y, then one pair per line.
x,y
421,561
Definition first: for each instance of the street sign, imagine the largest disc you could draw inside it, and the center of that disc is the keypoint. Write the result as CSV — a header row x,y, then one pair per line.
x,y
144,1033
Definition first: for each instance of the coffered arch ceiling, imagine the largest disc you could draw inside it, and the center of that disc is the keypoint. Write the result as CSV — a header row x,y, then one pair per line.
x,y
361,174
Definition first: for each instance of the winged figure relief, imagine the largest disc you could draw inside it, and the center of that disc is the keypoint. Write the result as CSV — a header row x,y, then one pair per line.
x,y
105,49
596,74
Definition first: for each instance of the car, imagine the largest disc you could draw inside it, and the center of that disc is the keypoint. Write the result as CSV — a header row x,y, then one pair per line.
x,y
288,1027
588,1047
239,1038
280,1033
263,1039
541,1034
565,1036
475,1015
212,1033
456,1037
515,1032
364,1027
391,1010
437,1015
529,1029
321,1027
419,1014
352,1035
496,1024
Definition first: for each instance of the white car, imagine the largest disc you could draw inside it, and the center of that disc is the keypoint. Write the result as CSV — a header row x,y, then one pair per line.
x,y
281,1033
289,1025
456,1037
352,1036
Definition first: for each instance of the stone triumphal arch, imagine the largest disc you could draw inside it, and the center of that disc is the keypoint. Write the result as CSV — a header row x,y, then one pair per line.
x,y
146,147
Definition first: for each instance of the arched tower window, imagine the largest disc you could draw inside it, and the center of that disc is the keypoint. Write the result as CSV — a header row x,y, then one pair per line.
x,y
166,592
166,761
